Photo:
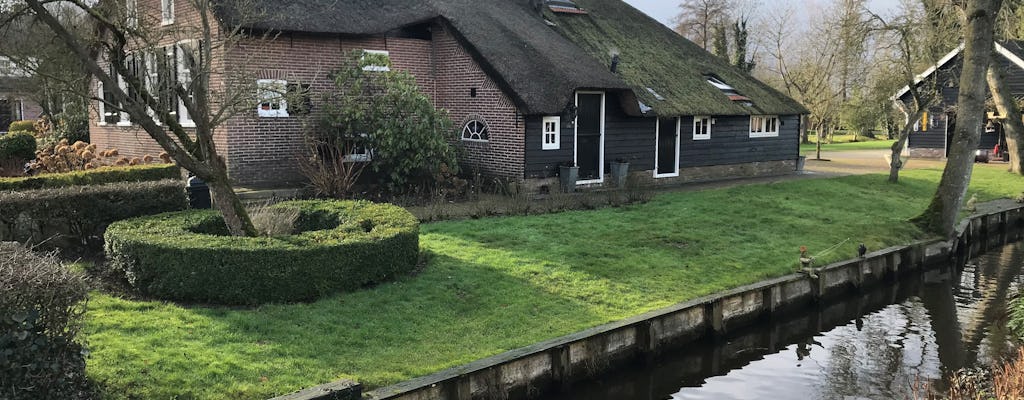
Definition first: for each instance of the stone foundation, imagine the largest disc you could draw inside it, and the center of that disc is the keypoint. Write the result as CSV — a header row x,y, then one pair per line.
x,y
686,175
927,153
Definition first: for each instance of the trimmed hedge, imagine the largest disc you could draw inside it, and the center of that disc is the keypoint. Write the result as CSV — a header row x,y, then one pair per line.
x,y
28,125
75,217
100,176
342,245
18,146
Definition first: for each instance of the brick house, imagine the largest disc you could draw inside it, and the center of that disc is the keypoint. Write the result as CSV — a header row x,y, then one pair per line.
x,y
933,134
529,84
15,102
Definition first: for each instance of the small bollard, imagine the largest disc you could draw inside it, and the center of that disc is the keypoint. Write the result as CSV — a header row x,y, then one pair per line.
x,y
198,193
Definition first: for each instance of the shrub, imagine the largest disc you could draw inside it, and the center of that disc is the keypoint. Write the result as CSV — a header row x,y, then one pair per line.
x,y
17,146
75,217
64,156
341,245
23,126
140,173
41,308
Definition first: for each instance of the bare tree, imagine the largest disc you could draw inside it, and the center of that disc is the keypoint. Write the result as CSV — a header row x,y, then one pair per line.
x,y
1009,110
110,53
697,19
944,209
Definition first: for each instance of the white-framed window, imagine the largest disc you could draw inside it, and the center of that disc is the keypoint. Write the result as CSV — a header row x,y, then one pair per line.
x,y
376,60
167,11
764,125
131,13
475,130
551,134
271,94
185,60
702,127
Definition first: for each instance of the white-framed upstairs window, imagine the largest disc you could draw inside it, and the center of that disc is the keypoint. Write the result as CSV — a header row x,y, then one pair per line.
x,y
375,60
167,12
551,134
764,126
272,100
702,127
131,13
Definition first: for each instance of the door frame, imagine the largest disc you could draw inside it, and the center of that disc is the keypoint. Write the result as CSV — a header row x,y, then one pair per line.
x,y
575,138
657,143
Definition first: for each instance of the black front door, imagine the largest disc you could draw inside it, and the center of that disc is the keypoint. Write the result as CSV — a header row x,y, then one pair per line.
x,y
667,145
588,134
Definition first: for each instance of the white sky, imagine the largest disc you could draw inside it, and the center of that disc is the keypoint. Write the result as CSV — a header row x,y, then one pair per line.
x,y
666,10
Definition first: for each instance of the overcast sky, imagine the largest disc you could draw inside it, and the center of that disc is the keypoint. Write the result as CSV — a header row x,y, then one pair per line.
x,y
666,10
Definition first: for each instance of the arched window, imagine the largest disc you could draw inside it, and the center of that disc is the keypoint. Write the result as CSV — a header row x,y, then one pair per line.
x,y
475,130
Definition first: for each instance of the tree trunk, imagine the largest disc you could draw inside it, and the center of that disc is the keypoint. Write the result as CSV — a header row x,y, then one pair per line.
x,y
804,137
1007,106
941,215
897,148
817,145
230,206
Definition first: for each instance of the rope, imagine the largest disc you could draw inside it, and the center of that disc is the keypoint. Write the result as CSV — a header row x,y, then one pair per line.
x,y
831,249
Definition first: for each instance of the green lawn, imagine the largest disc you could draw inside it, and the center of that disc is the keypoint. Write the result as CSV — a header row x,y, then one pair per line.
x,y
497,284
844,143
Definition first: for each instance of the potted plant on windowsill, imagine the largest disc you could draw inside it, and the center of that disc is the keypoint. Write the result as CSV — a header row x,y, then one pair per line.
x,y
620,171
568,174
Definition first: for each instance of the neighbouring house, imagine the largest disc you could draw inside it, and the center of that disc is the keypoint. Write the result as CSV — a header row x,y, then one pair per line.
x,y
933,133
530,84
15,103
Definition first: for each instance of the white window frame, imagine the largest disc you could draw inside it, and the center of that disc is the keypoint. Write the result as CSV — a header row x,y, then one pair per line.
x,y
184,79
101,106
166,12
705,132
125,119
266,94
376,68
132,13
759,126
554,134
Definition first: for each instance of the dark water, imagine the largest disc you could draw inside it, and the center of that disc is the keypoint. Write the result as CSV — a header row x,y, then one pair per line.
x,y
875,346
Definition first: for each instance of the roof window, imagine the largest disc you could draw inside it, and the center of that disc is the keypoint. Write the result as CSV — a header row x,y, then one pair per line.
x,y
655,94
564,6
727,90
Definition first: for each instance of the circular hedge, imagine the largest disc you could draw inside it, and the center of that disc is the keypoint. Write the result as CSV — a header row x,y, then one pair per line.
x,y
340,245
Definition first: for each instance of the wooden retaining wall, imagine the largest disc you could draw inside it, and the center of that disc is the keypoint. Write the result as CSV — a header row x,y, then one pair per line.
x,y
529,371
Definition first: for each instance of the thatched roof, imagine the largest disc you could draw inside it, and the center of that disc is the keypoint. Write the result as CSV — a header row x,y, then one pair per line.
x,y
538,65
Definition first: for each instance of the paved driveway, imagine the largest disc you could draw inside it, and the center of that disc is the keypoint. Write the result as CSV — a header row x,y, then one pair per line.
x,y
856,162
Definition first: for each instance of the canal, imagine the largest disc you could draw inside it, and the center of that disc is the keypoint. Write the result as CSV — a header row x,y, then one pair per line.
x,y
877,345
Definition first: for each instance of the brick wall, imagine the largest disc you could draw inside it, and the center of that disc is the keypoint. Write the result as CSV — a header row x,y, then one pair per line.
x,y
129,139
457,75
263,150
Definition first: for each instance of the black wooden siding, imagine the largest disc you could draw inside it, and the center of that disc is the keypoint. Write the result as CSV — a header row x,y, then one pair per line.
x,y
633,139
935,136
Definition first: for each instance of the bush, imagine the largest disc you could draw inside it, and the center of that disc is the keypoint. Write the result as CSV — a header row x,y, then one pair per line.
x,y
341,245
75,217
19,146
41,310
28,125
139,173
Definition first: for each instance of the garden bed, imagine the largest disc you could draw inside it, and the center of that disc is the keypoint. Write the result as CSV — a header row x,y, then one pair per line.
x,y
497,284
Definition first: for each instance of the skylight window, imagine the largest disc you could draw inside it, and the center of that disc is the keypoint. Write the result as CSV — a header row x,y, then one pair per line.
x,y
727,90
564,6
655,94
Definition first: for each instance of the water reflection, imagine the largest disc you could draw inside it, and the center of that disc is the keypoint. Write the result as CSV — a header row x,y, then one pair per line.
x,y
872,347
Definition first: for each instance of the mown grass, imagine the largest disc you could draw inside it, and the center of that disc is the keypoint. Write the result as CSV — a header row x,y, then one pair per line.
x,y
846,143
496,284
